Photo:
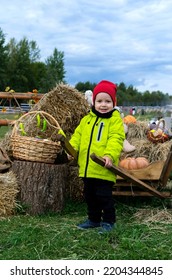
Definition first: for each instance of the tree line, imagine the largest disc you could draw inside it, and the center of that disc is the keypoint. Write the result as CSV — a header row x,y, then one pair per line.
x,y
130,96
22,70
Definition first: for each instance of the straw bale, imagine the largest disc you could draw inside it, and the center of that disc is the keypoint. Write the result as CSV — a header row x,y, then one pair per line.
x,y
8,191
137,130
66,104
6,143
75,184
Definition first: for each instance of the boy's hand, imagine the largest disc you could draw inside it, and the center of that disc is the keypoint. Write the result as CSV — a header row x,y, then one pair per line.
x,y
108,162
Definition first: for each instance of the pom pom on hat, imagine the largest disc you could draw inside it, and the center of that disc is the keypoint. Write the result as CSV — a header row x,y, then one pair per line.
x,y
108,87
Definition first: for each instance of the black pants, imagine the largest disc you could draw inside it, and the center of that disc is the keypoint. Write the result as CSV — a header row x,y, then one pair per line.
x,y
100,203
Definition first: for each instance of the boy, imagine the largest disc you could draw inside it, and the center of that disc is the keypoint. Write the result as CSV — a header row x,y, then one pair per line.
x,y
101,132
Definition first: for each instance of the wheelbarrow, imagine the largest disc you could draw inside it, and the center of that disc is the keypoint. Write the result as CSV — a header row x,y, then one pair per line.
x,y
149,181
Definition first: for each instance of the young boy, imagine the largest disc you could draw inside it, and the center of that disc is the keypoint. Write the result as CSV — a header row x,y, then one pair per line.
x,y
101,132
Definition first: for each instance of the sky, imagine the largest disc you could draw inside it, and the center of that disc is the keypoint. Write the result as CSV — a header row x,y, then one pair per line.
x,y
127,41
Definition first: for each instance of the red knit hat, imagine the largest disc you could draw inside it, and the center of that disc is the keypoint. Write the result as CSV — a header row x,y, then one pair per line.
x,y
108,87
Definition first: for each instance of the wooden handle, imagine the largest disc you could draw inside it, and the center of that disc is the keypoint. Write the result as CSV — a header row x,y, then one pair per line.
x,y
67,146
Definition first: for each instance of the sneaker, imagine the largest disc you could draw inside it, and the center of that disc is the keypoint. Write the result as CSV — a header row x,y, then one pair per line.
x,y
106,227
88,224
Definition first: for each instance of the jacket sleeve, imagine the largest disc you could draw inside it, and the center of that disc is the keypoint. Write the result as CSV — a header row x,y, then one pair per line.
x,y
76,137
115,139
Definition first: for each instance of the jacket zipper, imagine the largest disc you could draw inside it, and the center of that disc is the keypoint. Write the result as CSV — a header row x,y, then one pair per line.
x,y
88,152
100,131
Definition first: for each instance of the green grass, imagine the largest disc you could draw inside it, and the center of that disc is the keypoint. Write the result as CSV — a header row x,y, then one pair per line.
x,y
5,129
56,236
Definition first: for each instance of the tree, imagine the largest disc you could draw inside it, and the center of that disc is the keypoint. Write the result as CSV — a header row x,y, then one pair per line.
x,y
82,87
55,72
21,56
37,76
3,61
127,96
34,51
122,87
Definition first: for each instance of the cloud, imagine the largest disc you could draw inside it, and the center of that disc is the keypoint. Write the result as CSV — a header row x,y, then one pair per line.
x,y
123,41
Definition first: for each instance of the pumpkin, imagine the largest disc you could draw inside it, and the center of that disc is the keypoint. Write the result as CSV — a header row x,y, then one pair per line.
x,y
134,163
129,119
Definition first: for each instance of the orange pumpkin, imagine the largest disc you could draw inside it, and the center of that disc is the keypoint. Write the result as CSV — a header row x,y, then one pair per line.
x,y
129,119
134,163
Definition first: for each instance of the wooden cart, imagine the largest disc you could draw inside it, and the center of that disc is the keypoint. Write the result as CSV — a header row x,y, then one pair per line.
x,y
149,181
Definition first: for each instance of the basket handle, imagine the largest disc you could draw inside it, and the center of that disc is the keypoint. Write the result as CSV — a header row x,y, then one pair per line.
x,y
35,112
163,123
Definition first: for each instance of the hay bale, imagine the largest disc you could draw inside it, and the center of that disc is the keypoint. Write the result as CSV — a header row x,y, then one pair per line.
x,y
6,143
8,191
137,130
75,184
66,104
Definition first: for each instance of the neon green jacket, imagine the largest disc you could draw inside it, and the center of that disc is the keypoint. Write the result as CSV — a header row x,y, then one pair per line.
x,y
102,136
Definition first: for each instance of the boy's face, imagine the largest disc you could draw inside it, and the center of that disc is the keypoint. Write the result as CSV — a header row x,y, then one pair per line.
x,y
103,102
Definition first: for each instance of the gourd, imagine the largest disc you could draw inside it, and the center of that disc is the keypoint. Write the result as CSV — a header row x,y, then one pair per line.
x,y
129,119
44,125
21,126
38,120
134,163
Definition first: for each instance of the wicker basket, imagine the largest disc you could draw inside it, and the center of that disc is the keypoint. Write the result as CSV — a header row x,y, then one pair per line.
x,y
33,148
155,137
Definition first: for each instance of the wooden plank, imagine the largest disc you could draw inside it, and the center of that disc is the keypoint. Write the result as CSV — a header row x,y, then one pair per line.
x,y
121,172
4,122
131,193
67,146
20,95
138,193
166,169
124,183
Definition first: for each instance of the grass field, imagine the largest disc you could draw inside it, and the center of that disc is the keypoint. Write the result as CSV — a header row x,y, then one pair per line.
x,y
55,236
143,232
